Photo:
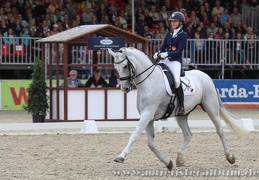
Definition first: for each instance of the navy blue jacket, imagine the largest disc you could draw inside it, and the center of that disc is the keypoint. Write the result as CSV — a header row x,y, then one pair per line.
x,y
113,81
174,46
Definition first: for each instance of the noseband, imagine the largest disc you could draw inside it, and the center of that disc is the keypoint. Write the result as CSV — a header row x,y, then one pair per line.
x,y
132,72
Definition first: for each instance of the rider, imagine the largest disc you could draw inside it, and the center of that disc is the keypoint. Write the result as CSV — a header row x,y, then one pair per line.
x,y
174,43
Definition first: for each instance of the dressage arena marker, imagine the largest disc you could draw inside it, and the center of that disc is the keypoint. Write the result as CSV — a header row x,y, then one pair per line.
x,y
248,124
91,126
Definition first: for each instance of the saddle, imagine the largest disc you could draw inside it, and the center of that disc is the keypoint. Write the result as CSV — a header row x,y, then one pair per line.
x,y
170,77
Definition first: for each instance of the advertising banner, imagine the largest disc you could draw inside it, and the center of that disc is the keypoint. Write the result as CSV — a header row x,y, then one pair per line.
x,y
14,94
105,42
239,93
234,93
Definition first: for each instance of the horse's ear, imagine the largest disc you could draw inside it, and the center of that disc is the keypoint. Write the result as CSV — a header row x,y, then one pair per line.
x,y
111,52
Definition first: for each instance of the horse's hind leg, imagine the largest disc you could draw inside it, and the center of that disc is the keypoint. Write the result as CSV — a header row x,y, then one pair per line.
x,y
214,116
150,136
187,135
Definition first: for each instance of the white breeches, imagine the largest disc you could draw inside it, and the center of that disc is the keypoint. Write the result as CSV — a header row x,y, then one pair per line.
x,y
175,67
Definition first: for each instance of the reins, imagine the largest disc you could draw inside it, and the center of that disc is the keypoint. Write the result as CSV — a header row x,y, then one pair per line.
x,y
131,67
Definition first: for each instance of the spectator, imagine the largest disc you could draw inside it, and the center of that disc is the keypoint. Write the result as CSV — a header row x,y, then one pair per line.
x,y
219,34
18,28
24,23
10,21
50,19
54,29
106,20
148,19
249,32
29,15
205,20
198,49
112,14
101,12
129,19
239,52
147,33
10,38
217,10
61,27
233,34
202,31
215,20
163,14
153,14
123,21
25,37
189,30
7,7
96,81
68,9
73,81
240,28
79,20
44,28
194,19
40,10
3,27
236,16
67,22
207,9
114,79
16,4
226,27
252,49
33,28
87,15
212,28
117,23
212,48
226,48
2,14
161,33
224,17
140,25
94,20
57,15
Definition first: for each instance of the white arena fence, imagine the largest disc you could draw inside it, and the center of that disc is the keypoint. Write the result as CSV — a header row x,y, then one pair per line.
x,y
198,52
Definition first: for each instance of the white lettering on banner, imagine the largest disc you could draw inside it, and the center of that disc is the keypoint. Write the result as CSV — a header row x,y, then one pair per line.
x,y
256,94
235,92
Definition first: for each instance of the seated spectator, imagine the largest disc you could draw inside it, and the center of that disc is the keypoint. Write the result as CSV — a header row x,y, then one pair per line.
x,y
215,20
217,9
189,30
249,32
153,14
240,28
161,33
96,81
140,25
224,17
18,28
147,33
123,21
72,80
148,19
194,19
87,15
212,28
236,16
163,14
114,79
10,38
3,27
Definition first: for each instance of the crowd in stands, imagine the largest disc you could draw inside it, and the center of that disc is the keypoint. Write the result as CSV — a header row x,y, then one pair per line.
x,y
151,16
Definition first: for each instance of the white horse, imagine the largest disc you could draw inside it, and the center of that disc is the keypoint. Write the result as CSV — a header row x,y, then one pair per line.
x,y
136,68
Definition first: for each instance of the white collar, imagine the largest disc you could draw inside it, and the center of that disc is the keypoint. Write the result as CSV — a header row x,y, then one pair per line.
x,y
176,31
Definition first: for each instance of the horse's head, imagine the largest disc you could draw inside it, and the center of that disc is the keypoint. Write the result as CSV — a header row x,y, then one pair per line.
x,y
125,69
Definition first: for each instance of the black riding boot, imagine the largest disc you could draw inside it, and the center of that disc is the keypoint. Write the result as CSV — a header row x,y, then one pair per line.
x,y
180,95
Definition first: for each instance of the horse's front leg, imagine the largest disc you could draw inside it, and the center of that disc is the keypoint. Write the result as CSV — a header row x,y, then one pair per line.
x,y
150,136
144,120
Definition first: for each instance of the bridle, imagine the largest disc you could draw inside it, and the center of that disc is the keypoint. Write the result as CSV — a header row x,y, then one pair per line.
x,y
132,72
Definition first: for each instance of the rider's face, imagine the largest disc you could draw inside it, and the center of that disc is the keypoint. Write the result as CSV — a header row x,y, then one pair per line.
x,y
175,23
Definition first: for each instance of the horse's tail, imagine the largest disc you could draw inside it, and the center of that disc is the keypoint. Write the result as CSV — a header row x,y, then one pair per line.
x,y
231,120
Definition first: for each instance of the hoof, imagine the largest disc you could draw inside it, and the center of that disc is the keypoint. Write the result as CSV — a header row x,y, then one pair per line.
x,y
231,159
119,159
179,160
170,165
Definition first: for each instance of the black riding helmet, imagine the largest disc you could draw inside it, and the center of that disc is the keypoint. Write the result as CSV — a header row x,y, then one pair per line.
x,y
177,16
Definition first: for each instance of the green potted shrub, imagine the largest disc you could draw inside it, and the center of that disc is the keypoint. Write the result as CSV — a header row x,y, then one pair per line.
x,y
37,103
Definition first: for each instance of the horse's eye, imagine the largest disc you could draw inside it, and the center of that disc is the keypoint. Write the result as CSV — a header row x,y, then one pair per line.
x,y
125,67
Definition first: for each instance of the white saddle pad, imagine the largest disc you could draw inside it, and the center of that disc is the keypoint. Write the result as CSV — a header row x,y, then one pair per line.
x,y
187,84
